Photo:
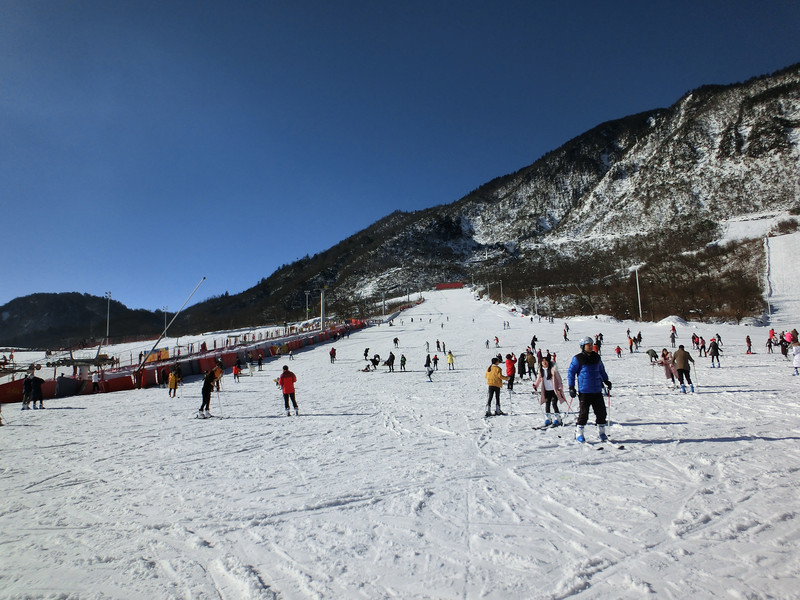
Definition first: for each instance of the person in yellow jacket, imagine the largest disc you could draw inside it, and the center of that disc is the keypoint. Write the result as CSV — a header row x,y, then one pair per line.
x,y
451,360
173,384
495,378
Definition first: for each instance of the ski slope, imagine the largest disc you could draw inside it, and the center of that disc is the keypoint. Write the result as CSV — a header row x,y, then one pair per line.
x,y
784,279
390,486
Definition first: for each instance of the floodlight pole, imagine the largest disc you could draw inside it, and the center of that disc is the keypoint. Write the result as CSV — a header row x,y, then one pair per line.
x,y
322,310
638,294
108,314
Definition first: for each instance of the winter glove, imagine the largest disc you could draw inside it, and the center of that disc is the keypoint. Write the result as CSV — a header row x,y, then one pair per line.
x,y
608,385
572,392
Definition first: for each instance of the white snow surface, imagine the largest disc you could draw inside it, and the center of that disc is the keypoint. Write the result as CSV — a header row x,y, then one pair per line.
x,y
390,486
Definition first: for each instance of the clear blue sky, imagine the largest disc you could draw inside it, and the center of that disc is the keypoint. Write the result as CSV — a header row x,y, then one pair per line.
x,y
146,144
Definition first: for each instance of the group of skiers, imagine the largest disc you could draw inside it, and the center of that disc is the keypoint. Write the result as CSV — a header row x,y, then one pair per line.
x,y
586,370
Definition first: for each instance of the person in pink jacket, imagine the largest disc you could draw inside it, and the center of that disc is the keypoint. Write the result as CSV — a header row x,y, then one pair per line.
x,y
552,391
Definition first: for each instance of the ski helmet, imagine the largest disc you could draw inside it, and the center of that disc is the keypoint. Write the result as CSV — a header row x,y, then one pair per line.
x,y
586,340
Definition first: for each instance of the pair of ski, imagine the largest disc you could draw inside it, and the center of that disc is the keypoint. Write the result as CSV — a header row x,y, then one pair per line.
x,y
584,443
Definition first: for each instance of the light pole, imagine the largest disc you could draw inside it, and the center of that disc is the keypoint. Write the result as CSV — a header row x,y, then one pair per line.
x,y
638,293
165,309
307,292
108,314
322,309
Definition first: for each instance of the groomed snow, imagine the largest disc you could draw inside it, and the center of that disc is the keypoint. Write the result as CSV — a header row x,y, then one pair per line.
x,y
389,486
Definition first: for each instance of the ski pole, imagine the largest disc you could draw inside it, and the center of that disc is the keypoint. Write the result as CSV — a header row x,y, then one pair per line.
x,y
219,401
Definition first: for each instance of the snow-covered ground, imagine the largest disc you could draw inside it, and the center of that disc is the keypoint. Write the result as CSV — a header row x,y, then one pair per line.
x,y
390,486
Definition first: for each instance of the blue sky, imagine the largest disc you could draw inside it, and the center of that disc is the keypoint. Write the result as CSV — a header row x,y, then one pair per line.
x,y
146,144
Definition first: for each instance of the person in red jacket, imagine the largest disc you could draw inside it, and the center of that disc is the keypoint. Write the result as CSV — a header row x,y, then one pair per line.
x,y
511,369
286,383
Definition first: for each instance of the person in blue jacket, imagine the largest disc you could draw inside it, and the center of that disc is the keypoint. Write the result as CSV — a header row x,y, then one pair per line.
x,y
588,367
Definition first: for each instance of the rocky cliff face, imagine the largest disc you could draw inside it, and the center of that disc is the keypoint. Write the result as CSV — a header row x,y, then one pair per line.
x,y
717,153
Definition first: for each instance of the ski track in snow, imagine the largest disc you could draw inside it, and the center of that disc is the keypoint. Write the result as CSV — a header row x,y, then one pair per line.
x,y
390,486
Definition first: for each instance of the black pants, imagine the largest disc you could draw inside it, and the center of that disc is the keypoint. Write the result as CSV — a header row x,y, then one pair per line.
x,y
551,398
206,392
287,397
598,406
511,381
684,373
493,391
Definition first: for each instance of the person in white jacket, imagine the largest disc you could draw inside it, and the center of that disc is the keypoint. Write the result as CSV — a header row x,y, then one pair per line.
x,y
552,391
796,357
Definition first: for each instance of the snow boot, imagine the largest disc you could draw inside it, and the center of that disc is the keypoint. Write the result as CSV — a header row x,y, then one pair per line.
x,y
547,420
556,421
498,412
691,388
601,431
296,412
579,434
200,415
208,414
288,413
683,389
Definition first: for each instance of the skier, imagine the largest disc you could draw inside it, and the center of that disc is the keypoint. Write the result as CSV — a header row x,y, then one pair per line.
x,y
669,371
796,357
588,368
521,365
332,354
390,362
428,367
494,377
713,352
451,361
286,382
402,362
172,383
530,358
36,390
27,389
511,370
749,345
681,360
210,379
552,391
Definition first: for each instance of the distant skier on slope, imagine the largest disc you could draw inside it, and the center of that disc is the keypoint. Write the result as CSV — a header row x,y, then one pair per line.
x,y
210,380
588,368
681,359
286,382
713,352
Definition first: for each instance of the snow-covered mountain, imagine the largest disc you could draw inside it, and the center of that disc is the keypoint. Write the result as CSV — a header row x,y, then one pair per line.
x,y
638,190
